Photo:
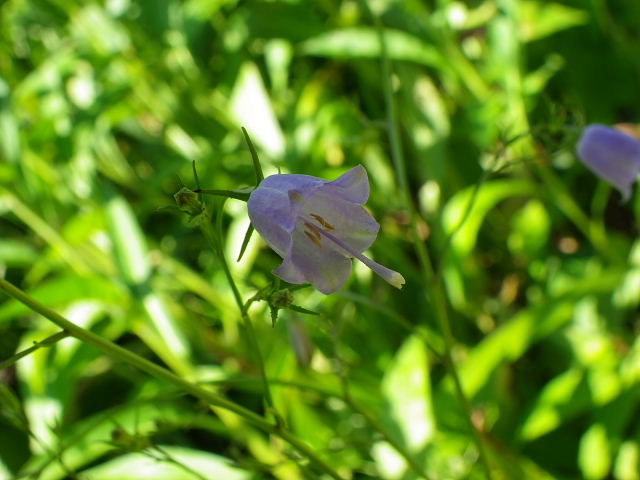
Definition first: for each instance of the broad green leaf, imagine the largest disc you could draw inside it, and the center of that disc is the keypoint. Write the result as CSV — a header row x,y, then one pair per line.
x,y
9,130
60,292
168,463
627,295
559,401
541,19
166,338
594,456
530,231
627,466
464,213
89,440
15,253
363,42
407,388
390,464
93,27
128,241
251,106
511,341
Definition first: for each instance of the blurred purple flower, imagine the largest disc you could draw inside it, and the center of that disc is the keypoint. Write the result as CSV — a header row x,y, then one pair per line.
x,y
612,155
317,226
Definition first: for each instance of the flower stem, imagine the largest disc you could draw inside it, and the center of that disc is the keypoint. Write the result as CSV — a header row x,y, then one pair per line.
x,y
211,398
436,294
47,342
215,240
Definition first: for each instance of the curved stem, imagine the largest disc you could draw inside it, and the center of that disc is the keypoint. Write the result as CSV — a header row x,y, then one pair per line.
x,y
211,398
214,239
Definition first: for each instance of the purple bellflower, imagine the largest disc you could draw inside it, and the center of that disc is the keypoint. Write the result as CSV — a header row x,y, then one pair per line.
x,y
317,226
612,155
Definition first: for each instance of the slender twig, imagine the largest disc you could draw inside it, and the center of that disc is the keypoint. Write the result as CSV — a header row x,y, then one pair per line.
x,y
47,342
211,398
225,193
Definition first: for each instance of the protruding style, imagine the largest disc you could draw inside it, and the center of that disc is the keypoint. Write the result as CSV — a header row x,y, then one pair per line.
x,y
317,226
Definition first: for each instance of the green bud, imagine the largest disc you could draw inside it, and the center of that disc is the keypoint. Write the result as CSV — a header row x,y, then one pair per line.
x,y
281,298
187,201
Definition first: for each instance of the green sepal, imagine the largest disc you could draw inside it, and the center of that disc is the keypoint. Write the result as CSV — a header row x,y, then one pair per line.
x,y
245,242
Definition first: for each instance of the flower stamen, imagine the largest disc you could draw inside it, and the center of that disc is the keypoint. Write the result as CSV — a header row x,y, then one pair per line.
x,y
326,225
313,234
391,276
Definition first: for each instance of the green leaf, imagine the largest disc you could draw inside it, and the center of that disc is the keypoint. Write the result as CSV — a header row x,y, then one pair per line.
x,y
16,253
299,309
180,463
594,456
464,213
60,292
245,241
363,42
128,241
511,341
541,19
251,106
531,228
407,388
561,400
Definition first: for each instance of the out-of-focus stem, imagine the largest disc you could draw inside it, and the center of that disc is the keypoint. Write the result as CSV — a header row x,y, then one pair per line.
x,y
435,293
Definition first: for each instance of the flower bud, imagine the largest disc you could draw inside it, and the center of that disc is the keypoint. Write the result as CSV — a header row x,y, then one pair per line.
x,y
187,201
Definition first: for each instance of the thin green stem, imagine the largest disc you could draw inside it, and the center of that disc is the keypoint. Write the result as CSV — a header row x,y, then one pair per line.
x,y
211,398
47,342
224,193
436,293
214,239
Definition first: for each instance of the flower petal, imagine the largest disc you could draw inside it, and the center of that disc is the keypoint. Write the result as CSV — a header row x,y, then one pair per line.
x,y
349,222
323,267
612,155
272,216
352,186
291,181
391,276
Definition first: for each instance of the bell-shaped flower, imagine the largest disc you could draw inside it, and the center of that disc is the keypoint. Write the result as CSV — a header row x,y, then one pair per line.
x,y
317,226
612,155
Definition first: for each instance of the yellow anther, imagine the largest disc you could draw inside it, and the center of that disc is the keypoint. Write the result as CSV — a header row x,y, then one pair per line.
x,y
313,230
313,238
313,234
323,222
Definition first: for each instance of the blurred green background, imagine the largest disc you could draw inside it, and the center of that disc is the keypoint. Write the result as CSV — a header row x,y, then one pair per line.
x,y
105,104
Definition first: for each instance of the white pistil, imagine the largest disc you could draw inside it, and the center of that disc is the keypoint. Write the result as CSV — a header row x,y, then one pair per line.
x,y
391,276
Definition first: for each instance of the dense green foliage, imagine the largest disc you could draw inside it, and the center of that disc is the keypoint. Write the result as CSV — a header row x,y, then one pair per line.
x,y
522,268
